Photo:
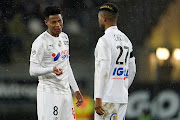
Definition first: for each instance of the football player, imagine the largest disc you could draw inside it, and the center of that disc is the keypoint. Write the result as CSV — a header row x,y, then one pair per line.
x,y
49,61
114,67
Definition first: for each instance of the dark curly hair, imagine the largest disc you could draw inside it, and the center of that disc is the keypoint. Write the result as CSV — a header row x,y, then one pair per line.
x,y
51,10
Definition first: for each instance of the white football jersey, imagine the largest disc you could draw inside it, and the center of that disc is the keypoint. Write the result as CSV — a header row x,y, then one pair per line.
x,y
50,51
112,56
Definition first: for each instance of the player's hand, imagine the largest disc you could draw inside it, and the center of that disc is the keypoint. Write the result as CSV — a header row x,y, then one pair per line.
x,y
79,98
98,106
57,71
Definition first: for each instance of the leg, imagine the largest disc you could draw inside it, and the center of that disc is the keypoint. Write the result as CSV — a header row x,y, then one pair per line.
x,y
98,117
122,111
110,112
48,105
68,112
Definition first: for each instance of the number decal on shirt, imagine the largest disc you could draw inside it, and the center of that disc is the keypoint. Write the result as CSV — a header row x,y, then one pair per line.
x,y
120,54
55,110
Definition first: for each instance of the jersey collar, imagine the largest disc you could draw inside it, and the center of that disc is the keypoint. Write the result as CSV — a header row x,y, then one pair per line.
x,y
52,36
111,28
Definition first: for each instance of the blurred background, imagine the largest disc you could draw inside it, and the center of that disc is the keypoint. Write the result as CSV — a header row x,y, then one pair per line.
x,y
153,26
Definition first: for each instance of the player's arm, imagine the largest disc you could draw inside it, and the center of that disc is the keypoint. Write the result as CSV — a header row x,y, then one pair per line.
x,y
74,86
132,69
102,68
36,57
37,70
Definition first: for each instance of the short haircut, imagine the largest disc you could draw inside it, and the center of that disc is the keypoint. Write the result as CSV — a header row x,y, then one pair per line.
x,y
110,9
51,10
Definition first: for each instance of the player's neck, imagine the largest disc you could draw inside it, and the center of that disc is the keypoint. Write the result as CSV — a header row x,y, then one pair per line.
x,y
54,35
110,25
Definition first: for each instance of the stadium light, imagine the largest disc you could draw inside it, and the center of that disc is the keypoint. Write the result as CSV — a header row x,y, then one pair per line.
x,y
162,53
176,54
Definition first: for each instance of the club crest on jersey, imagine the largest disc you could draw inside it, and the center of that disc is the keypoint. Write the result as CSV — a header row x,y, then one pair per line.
x,y
63,55
113,116
119,72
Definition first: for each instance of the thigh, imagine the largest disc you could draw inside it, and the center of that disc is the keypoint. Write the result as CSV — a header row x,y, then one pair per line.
x,y
122,111
111,110
49,105
68,112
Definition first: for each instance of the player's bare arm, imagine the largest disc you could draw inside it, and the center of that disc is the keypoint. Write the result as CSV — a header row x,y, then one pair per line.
x,y
98,106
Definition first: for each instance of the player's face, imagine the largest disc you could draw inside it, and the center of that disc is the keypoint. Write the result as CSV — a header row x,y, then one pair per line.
x,y
101,21
55,24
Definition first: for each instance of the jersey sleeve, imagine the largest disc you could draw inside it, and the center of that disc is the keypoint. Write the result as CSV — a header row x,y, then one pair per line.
x,y
102,67
132,72
37,51
71,78
102,51
37,70
131,57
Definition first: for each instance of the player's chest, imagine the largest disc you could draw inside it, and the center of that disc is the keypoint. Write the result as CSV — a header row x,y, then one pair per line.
x,y
57,50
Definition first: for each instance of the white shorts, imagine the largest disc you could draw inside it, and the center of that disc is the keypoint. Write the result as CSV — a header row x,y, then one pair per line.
x,y
53,106
113,111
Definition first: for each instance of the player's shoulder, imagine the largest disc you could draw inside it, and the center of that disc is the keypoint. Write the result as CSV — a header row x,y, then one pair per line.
x,y
64,35
126,38
40,39
103,41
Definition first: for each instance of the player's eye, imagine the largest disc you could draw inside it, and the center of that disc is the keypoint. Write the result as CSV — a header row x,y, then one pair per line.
x,y
53,22
59,21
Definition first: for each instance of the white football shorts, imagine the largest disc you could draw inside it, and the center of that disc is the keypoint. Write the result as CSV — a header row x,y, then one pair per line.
x,y
54,106
113,111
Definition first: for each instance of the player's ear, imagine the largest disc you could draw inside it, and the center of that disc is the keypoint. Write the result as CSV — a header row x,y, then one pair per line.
x,y
45,21
61,17
104,18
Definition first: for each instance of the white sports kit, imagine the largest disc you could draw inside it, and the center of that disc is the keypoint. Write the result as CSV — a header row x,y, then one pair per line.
x,y
114,73
54,98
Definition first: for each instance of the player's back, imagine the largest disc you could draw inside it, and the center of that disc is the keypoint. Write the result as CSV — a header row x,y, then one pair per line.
x,y
116,89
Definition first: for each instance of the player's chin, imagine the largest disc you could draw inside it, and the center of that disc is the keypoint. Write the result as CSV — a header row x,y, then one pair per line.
x,y
58,31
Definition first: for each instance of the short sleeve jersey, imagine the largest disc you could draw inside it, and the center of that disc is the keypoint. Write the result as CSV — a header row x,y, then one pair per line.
x,y
115,47
50,51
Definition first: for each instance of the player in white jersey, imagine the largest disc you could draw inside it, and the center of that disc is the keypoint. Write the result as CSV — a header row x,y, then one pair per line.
x,y
114,67
49,61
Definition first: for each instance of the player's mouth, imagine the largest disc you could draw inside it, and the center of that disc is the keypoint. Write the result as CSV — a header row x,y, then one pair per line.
x,y
58,30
